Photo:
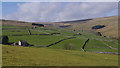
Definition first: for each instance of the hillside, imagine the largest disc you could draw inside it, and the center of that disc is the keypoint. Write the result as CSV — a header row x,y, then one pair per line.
x,y
56,46
30,56
111,23
15,23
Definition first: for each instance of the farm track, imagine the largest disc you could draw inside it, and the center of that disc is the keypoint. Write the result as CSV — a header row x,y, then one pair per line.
x,y
108,45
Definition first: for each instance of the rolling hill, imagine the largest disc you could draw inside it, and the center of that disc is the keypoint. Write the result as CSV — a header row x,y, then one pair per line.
x,y
15,23
111,23
65,44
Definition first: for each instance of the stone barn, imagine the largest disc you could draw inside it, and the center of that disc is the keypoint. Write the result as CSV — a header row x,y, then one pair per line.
x,y
23,43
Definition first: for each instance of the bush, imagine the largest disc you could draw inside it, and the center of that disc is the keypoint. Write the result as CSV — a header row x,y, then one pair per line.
x,y
5,39
98,26
99,33
69,46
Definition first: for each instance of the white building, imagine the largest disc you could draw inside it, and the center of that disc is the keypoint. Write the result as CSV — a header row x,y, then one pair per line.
x,y
20,43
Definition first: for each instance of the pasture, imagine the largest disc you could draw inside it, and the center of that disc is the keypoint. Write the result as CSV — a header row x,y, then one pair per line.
x,y
57,55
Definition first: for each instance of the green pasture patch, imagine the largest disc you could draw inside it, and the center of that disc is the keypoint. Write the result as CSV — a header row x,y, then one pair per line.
x,y
77,43
12,27
94,42
36,39
37,32
14,32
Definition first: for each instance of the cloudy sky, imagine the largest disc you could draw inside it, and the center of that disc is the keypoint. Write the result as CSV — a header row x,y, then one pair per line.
x,y
57,11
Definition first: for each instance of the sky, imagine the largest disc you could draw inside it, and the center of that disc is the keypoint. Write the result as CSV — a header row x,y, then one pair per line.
x,y
57,11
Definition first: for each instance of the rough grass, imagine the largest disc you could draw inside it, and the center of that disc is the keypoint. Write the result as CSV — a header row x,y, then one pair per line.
x,y
110,30
15,23
28,56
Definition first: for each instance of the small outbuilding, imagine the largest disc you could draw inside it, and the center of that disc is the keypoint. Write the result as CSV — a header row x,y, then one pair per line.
x,y
79,34
23,43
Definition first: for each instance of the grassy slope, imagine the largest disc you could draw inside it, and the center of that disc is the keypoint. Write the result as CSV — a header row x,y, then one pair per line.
x,y
28,56
111,24
15,23
44,40
77,43
49,57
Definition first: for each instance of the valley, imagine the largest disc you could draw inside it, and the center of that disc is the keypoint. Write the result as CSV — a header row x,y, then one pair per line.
x,y
58,46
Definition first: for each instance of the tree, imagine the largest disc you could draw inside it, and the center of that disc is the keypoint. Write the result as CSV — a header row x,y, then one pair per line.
x,y
5,39
98,26
99,33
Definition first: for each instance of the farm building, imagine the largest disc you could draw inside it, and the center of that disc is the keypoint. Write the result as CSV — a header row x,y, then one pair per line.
x,y
79,34
23,43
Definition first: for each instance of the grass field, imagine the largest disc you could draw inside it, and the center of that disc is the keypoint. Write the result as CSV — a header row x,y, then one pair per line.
x,y
57,55
29,56
44,40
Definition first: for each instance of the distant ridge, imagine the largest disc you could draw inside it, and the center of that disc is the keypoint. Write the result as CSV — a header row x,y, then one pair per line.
x,y
3,20
84,20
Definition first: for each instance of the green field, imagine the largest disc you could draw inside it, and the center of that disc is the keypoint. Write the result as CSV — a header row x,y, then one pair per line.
x,y
56,55
29,56
44,40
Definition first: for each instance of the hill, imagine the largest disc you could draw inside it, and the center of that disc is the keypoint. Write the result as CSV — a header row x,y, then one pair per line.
x,y
111,23
110,29
15,23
